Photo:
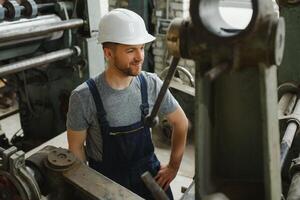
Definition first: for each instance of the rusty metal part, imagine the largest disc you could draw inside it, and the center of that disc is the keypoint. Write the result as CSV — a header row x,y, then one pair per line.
x,y
152,120
38,61
60,159
157,192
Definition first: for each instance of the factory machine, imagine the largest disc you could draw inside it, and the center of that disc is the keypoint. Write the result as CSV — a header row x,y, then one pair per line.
x,y
47,48
246,103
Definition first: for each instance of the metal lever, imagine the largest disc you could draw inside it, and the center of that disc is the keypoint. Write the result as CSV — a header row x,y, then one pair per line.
x,y
152,119
157,192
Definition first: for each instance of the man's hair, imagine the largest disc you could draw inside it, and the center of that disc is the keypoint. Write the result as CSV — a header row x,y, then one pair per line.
x,y
110,45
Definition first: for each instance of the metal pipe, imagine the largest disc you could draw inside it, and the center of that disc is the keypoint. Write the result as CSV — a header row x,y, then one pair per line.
x,y
287,141
291,105
289,135
26,24
37,61
184,71
37,30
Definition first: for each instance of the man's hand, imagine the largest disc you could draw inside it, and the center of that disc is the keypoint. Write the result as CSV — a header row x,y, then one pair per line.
x,y
165,176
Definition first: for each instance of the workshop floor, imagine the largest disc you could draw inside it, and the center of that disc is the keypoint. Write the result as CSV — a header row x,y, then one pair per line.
x,y
11,125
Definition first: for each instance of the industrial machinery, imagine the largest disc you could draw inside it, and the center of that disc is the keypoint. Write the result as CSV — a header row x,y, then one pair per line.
x,y
47,48
238,153
242,111
54,174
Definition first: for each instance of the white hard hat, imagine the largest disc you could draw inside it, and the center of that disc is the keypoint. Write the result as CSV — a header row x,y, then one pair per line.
x,y
123,26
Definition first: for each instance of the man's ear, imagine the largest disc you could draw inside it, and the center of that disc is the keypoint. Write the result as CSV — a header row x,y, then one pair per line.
x,y
107,53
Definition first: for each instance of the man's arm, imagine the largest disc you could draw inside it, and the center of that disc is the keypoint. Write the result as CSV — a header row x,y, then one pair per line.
x,y
76,141
179,123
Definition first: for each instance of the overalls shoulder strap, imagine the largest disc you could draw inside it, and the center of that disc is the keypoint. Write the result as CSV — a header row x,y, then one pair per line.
x,y
144,93
98,101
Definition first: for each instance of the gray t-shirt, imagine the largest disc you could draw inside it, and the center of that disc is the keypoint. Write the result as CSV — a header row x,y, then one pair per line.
x,y
122,108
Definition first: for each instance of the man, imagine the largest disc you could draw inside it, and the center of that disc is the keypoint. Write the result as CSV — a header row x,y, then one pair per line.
x,y
107,112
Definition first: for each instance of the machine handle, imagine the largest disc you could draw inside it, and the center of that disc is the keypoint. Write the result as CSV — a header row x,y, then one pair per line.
x,y
152,120
157,192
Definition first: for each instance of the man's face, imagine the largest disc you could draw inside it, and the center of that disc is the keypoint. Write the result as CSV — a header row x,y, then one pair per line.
x,y
128,59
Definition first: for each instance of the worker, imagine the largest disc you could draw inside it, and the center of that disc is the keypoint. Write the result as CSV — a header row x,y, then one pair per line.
x,y
107,112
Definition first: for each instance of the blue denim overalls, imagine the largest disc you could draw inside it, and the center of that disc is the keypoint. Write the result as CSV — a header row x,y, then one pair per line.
x,y
127,150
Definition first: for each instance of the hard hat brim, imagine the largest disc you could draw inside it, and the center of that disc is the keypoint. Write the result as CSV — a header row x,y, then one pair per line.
x,y
134,41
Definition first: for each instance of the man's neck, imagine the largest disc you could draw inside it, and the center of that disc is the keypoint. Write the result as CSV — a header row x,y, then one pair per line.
x,y
116,79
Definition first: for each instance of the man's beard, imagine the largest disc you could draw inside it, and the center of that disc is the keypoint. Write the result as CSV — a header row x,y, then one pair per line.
x,y
129,71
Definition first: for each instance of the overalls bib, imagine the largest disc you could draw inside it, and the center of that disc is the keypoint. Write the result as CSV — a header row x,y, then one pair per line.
x,y
127,150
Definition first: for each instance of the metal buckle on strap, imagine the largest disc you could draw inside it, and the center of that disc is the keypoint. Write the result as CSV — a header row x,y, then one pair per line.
x,y
145,109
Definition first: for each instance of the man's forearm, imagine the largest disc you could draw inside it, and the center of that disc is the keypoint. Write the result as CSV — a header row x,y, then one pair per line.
x,y
178,145
76,140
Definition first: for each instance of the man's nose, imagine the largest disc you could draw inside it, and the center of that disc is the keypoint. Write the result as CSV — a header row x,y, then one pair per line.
x,y
139,55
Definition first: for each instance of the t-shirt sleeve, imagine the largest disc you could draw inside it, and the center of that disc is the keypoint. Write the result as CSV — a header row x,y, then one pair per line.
x,y
169,103
76,119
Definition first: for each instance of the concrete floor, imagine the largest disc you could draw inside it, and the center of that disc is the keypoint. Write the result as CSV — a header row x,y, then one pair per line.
x,y
185,174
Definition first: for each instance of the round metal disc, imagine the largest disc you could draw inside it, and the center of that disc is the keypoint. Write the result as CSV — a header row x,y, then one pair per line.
x,y
61,158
